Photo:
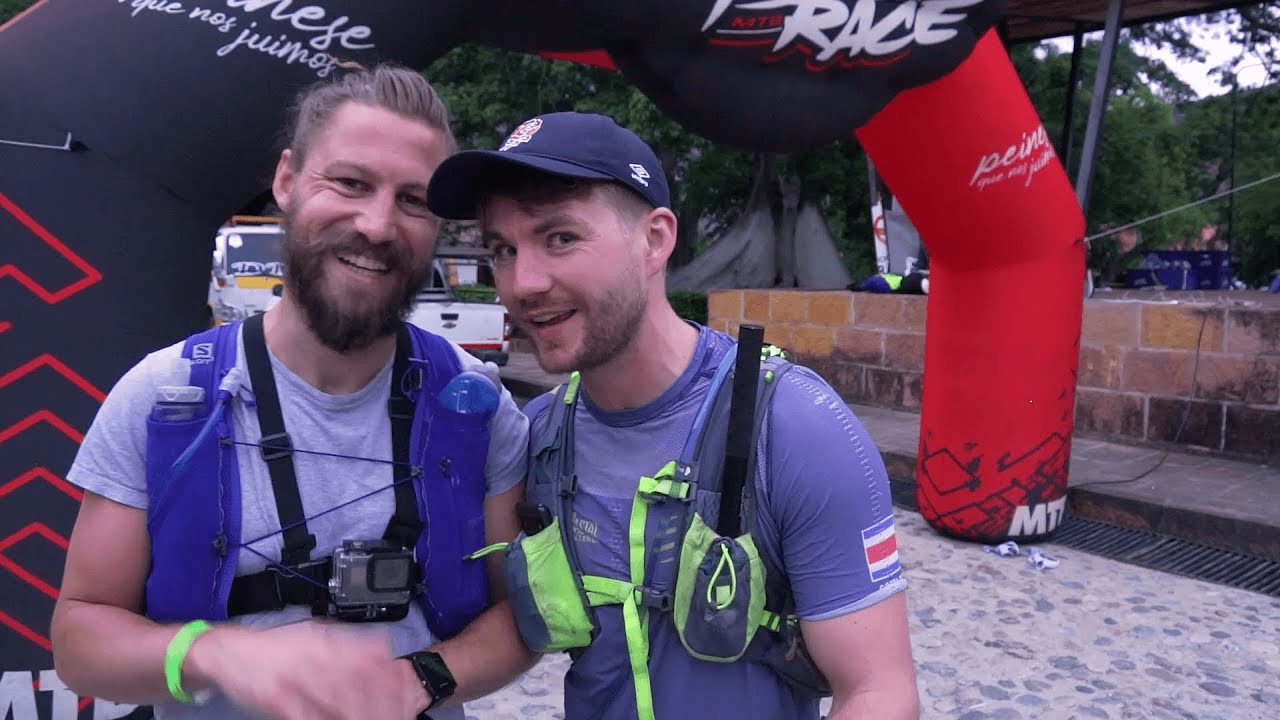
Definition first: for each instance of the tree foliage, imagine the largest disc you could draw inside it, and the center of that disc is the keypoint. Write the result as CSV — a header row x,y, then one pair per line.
x,y
9,8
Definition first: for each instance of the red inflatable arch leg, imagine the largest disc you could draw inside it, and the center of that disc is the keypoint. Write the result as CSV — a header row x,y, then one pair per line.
x,y
970,160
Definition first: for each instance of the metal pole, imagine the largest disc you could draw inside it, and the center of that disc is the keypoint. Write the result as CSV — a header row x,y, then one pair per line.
x,y
1098,103
877,198
1069,109
1097,108
1231,199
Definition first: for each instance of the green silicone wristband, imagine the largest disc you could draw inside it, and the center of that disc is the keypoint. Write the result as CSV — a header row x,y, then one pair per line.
x,y
176,653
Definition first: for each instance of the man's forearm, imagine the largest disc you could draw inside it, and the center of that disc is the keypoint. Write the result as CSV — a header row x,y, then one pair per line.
x,y
112,653
487,655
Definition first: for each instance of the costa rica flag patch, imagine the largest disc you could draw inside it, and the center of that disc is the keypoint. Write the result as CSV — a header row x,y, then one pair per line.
x,y
880,545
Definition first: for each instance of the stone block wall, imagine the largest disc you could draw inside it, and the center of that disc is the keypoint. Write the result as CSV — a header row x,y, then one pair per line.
x,y
1137,360
870,347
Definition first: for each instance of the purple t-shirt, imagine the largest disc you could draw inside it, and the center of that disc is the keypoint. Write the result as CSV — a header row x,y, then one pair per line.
x,y
824,518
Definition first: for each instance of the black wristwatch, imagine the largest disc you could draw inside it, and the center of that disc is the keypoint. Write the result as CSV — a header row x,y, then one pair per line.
x,y
435,676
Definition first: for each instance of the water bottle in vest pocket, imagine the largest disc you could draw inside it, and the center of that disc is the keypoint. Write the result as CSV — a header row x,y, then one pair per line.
x,y
173,426
720,593
547,597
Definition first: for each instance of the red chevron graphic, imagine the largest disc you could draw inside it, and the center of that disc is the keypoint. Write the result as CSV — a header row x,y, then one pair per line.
x,y
58,483
91,274
35,528
5,325
23,574
31,635
49,361
9,621
38,417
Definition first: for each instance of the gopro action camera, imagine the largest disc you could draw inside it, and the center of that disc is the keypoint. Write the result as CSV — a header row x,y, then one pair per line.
x,y
373,581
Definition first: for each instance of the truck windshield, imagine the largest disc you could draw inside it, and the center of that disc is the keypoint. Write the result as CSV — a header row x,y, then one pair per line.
x,y
256,253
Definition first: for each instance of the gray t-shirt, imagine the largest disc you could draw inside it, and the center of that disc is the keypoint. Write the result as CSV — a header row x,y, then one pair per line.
x,y
111,463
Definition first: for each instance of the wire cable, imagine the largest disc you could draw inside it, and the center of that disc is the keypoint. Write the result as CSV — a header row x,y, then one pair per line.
x,y
1186,412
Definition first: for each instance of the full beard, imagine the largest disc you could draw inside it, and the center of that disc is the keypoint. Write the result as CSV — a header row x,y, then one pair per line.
x,y
353,325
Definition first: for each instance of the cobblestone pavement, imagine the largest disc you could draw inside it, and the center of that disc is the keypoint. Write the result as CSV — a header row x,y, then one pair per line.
x,y
996,639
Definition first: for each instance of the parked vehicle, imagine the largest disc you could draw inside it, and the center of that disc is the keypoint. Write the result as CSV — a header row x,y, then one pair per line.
x,y
456,301
246,268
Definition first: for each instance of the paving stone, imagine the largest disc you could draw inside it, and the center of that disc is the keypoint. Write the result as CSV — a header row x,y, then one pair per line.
x,y
1218,688
994,639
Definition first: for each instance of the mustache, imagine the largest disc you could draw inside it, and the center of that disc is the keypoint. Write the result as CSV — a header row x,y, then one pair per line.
x,y
532,304
353,242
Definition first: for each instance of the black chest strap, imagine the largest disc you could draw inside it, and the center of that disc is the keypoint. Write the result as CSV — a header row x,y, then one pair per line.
x,y
301,582
276,447
406,524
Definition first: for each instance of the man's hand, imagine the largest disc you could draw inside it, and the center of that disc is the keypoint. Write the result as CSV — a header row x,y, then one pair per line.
x,y
307,670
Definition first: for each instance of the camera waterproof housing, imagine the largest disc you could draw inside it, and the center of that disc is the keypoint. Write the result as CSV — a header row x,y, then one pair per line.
x,y
373,581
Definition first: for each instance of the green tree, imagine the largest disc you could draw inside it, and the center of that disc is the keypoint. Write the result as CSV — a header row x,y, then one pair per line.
x,y
1254,28
1143,166
1251,218
9,8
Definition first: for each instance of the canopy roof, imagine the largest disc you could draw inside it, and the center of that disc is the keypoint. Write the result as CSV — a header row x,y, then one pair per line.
x,y
1035,20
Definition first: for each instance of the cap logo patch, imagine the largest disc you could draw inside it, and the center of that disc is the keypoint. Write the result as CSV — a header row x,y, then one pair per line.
x,y
639,174
522,134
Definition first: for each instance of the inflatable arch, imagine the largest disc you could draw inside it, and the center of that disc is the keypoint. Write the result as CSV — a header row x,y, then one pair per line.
x,y
132,128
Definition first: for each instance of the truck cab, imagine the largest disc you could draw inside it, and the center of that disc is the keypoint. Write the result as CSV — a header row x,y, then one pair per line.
x,y
457,302
247,268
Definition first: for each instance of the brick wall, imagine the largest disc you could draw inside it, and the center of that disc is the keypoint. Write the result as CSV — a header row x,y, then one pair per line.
x,y
1136,360
870,347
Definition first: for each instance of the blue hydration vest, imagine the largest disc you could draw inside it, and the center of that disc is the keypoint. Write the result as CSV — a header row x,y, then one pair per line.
x,y
194,513
553,599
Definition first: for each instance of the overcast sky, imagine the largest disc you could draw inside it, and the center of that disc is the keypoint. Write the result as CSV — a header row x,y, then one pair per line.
x,y
1196,74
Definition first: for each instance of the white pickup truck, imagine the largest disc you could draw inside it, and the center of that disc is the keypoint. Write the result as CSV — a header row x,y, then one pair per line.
x,y
456,302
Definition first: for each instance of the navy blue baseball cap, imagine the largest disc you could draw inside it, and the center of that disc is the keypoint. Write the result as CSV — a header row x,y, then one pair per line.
x,y
568,144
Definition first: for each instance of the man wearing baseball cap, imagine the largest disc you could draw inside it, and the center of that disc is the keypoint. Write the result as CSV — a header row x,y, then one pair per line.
x,y
620,562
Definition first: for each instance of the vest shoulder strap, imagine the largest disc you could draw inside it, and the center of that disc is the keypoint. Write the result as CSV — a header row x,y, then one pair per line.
x,y
405,526
430,355
551,450
212,354
276,447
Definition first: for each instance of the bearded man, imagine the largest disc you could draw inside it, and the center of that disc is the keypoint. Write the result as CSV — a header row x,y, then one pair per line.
x,y
285,517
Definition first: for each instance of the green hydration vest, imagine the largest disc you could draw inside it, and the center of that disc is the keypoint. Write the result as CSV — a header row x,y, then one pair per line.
x,y
727,600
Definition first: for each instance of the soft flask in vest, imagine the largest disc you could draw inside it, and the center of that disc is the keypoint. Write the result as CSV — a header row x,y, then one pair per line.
x,y
470,393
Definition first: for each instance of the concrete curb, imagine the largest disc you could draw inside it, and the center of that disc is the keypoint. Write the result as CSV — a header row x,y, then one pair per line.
x,y
1225,533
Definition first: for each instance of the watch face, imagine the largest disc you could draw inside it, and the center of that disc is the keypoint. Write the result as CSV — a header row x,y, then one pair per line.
x,y
434,664
435,674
